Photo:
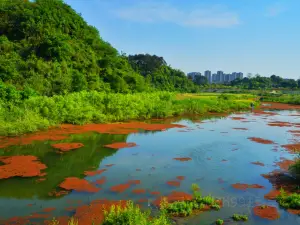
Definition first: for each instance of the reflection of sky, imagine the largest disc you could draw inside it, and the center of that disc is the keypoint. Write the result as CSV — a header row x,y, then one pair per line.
x,y
158,150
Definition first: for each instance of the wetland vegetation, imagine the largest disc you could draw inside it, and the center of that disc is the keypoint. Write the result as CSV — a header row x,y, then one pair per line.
x,y
111,114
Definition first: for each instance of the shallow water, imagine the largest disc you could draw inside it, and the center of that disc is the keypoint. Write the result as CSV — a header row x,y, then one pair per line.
x,y
221,156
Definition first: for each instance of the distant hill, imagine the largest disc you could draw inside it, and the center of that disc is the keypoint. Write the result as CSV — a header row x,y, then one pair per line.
x,y
47,47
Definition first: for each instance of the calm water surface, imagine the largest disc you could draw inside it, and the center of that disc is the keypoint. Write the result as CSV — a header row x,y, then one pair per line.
x,y
154,157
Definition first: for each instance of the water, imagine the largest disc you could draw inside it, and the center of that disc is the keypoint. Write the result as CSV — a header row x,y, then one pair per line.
x,y
154,157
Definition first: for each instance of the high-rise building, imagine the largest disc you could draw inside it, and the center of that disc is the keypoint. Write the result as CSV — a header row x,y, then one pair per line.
x,y
226,78
207,74
239,75
220,76
214,78
232,76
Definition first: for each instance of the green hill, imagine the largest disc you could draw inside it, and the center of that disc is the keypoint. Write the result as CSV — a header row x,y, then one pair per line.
x,y
48,47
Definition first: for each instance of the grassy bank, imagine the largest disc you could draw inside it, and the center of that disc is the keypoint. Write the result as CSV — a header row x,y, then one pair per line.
x,y
283,98
38,113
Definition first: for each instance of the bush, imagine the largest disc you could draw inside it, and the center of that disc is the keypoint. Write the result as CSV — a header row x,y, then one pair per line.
x,y
238,217
289,201
84,107
219,222
132,215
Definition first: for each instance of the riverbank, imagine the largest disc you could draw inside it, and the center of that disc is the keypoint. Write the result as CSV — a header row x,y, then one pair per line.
x,y
40,113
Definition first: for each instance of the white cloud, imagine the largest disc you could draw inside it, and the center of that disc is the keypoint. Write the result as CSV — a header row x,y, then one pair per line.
x,y
275,9
214,16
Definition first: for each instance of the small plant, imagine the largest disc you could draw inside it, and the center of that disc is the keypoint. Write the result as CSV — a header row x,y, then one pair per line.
x,y
54,221
73,221
263,206
215,206
238,217
132,215
289,201
219,222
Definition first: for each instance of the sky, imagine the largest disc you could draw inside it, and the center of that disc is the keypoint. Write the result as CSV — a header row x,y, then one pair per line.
x,y
249,36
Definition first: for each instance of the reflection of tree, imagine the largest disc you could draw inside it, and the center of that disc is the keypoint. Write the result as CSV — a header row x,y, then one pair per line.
x,y
70,164
190,118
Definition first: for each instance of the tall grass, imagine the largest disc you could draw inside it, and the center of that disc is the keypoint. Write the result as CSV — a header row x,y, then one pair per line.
x,y
132,215
95,107
283,98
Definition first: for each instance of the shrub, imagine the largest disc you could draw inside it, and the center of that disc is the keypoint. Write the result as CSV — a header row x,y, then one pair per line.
x,y
288,201
132,215
219,222
238,217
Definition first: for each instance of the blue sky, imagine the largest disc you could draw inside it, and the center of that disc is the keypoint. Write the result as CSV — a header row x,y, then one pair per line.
x,y
256,36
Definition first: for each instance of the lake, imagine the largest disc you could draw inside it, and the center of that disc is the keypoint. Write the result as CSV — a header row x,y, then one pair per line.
x,y
218,153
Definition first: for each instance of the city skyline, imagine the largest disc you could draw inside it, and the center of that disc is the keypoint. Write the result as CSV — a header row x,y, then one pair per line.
x,y
218,77
249,36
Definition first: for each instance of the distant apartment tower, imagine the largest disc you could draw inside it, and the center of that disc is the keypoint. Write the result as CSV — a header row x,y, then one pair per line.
x,y
214,78
226,78
239,75
220,75
192,75
207,74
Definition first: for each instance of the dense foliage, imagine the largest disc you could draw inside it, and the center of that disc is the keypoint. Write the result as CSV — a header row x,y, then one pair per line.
x,y
283,98
97,107
260,82
160,75
46,46
132,215
289,201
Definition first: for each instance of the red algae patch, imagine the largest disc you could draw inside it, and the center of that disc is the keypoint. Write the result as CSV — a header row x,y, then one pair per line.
x,y
48,209
173,197
292,147
94,212
278,106
258,163
120,188
237,118
21,166
142,200
260,112
280,124
244,187
261,141
272,195
180,177
155,193
294,131
266,212
139,191
134,182
173,183
294,211
183,159
240,128
81,185
65,147
93,173
121,145
61,133
100,181
285,164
